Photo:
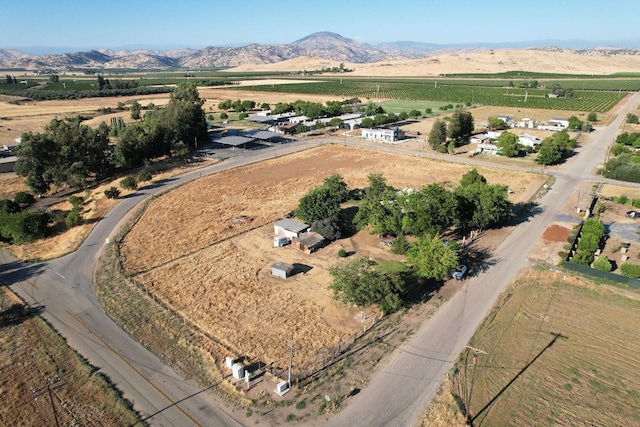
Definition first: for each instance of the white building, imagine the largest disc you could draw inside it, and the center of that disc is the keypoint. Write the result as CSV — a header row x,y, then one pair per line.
x,y
529,140
383,135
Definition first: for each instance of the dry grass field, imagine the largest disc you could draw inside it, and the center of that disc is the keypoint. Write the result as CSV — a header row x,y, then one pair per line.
x,y
561,352
31,354
205,249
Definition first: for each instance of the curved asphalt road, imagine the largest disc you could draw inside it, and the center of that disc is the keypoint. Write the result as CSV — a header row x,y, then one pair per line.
x,y
396,396
62,289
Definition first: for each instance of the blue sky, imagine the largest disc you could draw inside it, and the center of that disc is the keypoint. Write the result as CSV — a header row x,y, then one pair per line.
x,y
200,23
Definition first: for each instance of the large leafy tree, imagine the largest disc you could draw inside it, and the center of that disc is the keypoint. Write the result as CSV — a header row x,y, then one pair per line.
x,y
358,282
377,205
508,142
320,207
429,210
184,117
431,258
460,125
472,177
482,206
438,134
66,152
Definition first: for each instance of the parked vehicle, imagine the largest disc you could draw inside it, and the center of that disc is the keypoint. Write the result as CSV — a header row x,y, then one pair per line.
x,y
459,272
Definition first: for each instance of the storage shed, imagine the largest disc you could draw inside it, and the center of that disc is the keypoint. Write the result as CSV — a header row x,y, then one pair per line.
x,y
281,269
289,228
308,242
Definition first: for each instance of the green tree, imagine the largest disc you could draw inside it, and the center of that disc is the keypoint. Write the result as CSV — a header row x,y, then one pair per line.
x,y
73,219
431,258
549,153
481,206
264,106
372,109
438,134
377,204
112,193
508,143
588,243
460,125
583,258
472,177
575,123
428,111
184,117
592,117
367,122
327,228
495,123
144,175
602,264
224,116
429,210
23,198
414,114
632,118
129,182
358,282
135,109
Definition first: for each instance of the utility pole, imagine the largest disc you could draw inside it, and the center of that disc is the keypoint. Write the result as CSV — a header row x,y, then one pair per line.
x,y
474,362
52,384
290,360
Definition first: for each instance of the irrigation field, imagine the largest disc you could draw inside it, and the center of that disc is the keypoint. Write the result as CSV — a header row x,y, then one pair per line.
x,y
583,100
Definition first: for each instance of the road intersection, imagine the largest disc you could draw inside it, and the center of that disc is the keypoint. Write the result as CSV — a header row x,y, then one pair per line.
x,y
397,395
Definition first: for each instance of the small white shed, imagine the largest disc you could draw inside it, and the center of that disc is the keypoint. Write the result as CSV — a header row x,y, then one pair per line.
x,y
289,228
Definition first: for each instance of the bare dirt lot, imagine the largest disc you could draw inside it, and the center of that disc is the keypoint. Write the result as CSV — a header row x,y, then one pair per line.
x,y
191,251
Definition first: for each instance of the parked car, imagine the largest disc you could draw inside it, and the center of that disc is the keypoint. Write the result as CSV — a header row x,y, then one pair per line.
x,y
459,272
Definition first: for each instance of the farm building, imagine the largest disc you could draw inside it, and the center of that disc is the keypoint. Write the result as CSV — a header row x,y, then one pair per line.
x,y
289,228
281,269
484,137
529,140
488,147
383,135
308,242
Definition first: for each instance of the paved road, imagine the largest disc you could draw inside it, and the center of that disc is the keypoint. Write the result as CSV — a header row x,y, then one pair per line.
x,y
63,289
400,393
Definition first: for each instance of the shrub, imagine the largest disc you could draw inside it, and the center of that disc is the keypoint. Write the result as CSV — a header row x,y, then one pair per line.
x,y
592,117
129,183
9,206
144,175
224,116
602,264
630,270
73,219
112,193
301,405
76,202
400,246
342,253
583,258
23,226
23,198
242,116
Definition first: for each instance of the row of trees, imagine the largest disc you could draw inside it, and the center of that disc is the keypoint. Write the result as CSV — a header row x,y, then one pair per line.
x,y
68,152
314,110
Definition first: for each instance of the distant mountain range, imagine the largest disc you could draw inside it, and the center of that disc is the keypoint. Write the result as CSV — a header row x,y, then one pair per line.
x,y
325,45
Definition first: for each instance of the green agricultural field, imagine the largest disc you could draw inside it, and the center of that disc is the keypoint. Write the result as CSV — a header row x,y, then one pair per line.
x,y
592,101
560,352
398,106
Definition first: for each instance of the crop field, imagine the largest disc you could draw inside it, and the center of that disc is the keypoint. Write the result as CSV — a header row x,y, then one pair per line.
x,y
560,352
205,249
33,356
591,101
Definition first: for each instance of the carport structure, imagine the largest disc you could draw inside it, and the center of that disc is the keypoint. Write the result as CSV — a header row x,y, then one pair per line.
x,y
234,141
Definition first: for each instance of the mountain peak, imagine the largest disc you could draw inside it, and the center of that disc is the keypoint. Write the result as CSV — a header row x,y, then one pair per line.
x,y
323,37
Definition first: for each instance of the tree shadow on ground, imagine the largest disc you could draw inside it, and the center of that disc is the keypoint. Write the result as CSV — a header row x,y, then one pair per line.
x,y
348,214
524,212
18,313
17,271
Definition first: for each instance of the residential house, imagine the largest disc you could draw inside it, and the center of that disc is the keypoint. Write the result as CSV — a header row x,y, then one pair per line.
x,y
529,140
383,135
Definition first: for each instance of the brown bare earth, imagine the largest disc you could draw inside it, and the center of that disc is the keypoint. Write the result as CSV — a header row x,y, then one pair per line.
x,y
481,61
33,357
205,249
